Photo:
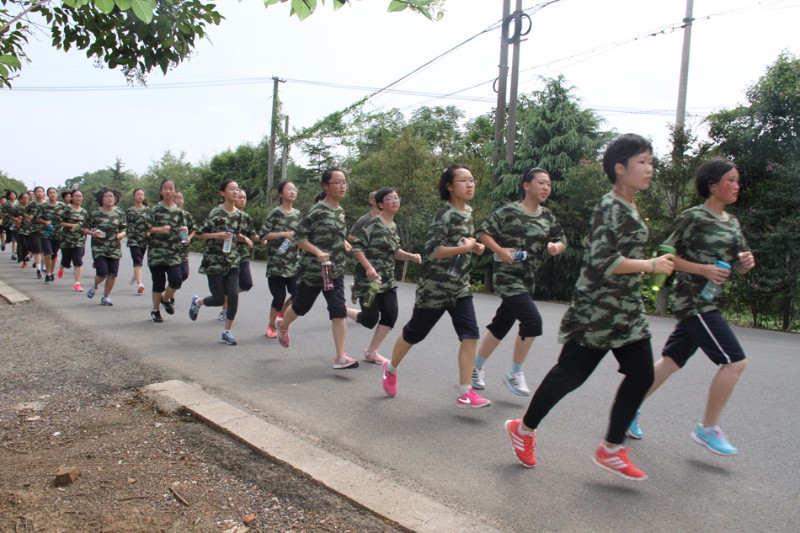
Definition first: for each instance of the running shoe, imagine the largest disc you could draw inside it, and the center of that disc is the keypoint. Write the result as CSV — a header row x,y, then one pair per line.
x,y
283,334
479,378
168,306
228,338
13,257
194,308
47,279
91,291
24,264
343,361
374,357
105,300
523,445
155,316
38,273
618,463
223,316
140,289
635,430
77,287
60,272
472,400
516,383
389,381
714,439
270,332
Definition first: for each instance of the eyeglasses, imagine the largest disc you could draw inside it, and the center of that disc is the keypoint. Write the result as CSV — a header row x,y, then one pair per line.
x,y
392,199
290,190
470,180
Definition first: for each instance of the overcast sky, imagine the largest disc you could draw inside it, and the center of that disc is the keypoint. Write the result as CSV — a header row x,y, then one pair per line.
x,y
65,117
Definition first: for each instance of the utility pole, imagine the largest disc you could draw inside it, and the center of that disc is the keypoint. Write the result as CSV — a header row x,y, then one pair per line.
x,y
511,135
273,131
285,155
680,116
502,79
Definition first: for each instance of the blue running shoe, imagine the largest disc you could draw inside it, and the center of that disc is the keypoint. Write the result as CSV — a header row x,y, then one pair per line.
x,y
713,439
91,291
194,308
228,338
634,431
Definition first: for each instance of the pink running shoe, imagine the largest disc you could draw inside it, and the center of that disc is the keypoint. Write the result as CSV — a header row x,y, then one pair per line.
x,y
523,445
374,357
270,332
77,287
60,272
343,361
471,400
283,334
389,381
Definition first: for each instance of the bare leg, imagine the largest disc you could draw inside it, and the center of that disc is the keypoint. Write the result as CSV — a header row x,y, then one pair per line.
x,y
488,345
289,316
401,348
273,314
721,388
521,349
339,328
466,360
169,293
78,272
377,338
110,281
156,300
663,369
137,274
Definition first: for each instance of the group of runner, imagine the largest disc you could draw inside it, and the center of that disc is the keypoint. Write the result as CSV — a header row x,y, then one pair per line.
x,y
307,256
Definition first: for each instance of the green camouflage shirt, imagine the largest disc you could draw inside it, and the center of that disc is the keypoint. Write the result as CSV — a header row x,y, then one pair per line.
x,y
248,230
512,226
8,212
379,241
110,223
700,236
74,238
437,289
138,224
35,210
281,265
48,211
606,309
324,227
28,226
165,248
189,223
215,261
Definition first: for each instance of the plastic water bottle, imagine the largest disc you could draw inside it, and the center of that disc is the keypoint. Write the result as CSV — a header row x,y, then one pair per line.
x,y
184,234
284,246
100,233
374,288
517,255
327,276
712,290
227,243
657,280
48,231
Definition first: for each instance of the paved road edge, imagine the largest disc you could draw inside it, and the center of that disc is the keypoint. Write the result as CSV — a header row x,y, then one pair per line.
x,y
12,295
383,497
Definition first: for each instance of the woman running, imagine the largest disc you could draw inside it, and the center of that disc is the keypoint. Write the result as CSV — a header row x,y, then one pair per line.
x,y
107,225
74,221
164,251
137,218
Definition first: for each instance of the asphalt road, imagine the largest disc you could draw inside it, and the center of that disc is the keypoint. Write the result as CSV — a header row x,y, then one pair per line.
x,y
462,457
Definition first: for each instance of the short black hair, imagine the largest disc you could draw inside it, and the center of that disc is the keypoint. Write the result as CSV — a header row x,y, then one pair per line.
x,y
621,149
710,173
447,178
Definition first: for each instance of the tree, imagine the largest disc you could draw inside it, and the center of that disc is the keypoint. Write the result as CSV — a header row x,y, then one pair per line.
x,y
135,35
763,138
7,183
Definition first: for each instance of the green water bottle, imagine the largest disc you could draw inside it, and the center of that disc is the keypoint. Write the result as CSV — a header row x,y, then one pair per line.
x,y
374,288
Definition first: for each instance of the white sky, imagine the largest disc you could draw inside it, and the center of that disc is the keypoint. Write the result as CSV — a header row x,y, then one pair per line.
x,y
48,136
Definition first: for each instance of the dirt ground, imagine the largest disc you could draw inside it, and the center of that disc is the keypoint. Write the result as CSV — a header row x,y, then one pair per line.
x,y
66,400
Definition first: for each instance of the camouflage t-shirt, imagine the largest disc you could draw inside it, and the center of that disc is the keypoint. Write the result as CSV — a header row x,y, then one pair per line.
x,y
48,211
138,224
606,309
512,226
8,212
189,223
437,288
74,238
165,248
324,227
35,210
379,241
248,230
28,225
281,265
110,223
215,261
700,236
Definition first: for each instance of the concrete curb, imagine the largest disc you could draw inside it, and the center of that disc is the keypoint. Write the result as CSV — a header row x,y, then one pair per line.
x,y
383,497
12,295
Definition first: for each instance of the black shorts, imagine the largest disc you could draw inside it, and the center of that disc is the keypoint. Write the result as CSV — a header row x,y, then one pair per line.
x,y
307,295
462,315
106,267
709,331
518,307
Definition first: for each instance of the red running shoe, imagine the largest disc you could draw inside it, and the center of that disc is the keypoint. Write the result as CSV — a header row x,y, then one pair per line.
x,y
523,445
618,463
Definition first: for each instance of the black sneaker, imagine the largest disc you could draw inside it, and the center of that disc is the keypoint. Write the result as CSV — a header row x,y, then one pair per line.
x,y
155,316
39,273
168,306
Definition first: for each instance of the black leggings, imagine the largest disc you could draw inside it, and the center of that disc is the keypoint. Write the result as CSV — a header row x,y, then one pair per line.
x,y
576,363
222,285
278,287
245,278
